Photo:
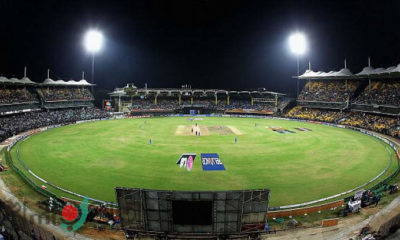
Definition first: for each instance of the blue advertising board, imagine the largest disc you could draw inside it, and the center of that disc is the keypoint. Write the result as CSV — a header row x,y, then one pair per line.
x,y
211,162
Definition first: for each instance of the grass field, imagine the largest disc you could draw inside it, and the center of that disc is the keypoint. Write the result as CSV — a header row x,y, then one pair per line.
x,y
93,158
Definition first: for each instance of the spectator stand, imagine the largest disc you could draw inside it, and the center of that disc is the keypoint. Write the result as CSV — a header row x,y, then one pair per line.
x,y
17,95
203,101
13,124
64,94
332,89
371,90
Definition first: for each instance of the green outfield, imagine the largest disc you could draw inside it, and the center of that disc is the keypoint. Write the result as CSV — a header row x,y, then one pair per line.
x,y
93,158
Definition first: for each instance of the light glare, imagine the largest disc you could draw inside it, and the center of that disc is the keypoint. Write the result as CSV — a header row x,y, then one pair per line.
x,y
93,41
298,43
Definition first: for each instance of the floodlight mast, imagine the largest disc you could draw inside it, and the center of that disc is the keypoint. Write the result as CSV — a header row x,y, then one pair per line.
x,y
298,74
298,46
92,73
93,42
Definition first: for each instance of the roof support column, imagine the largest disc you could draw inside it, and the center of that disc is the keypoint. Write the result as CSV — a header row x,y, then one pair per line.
x,y
155,99
180,99
227,100
25,92
369,85
119,103
191,100
216,99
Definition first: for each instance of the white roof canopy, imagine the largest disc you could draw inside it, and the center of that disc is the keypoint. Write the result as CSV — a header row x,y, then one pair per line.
x,y
51,82
26,80
345,73
46,82
367,71
23,81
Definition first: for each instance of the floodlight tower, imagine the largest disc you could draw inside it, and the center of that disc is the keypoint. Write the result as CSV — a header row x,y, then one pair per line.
x,y
93,42
298,46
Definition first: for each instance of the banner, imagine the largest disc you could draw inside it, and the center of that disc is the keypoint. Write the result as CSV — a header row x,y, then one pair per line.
x,y
186,160
211,162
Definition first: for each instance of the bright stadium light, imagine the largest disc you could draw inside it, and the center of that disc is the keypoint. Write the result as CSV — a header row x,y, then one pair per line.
x,y
93,41
298,43
298,46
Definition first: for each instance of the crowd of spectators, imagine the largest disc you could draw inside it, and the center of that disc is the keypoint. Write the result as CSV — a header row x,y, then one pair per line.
x,y
66,93
14,124
315,114
246,105
373,122
17,95
383,92
173,104
328,90
395,131
204,102
379,123
149,104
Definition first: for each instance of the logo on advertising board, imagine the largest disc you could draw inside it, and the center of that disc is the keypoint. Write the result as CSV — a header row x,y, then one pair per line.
x,y
73,216
211,162
186,161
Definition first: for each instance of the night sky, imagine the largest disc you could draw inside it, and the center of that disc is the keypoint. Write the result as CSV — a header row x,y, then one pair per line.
x,y
207,44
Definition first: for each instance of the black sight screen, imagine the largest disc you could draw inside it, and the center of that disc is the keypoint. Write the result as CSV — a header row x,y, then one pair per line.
x,y
192,212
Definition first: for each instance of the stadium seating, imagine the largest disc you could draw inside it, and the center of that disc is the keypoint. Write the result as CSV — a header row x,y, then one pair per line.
x,y
374,106
173,104
373,122
29,106
63,93
17,97
384,92
380,93
328,91
395,132
17,123
15,94
315,114
380,123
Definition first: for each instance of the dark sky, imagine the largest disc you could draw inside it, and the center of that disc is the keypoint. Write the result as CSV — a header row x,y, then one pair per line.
x,y
208,44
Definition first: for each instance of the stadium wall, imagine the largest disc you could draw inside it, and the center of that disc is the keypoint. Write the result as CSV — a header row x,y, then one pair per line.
x,y
20,226
302,211
18,221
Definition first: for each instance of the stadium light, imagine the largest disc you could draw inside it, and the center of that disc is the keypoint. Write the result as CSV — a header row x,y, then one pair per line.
x,y
298,46
298,43
93,42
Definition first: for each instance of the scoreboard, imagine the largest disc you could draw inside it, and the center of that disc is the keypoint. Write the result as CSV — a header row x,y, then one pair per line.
x,y
108,105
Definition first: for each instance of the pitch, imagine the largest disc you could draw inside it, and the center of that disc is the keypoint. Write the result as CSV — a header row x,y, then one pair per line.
x,y
297,161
